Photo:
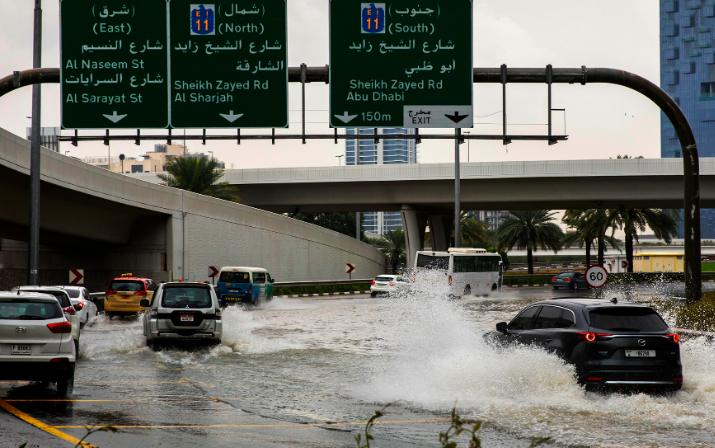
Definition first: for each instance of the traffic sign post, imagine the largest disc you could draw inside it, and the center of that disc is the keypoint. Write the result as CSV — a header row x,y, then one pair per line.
x,y
407,65
229,65
212,273
349,268
596,276
113,70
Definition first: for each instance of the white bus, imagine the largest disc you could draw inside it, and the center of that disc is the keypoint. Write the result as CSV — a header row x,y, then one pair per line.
x,y
468,271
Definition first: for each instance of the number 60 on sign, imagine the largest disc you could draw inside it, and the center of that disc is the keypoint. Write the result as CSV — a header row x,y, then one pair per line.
x,y
596,276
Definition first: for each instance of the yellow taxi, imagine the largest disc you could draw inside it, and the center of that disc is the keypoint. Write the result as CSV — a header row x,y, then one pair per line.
x,y
125,293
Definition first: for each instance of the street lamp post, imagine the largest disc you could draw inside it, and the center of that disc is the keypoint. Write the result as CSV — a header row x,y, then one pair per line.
x,y
212,154
341,155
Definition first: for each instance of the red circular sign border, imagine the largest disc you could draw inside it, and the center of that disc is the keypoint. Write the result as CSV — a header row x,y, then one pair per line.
x,y
597,266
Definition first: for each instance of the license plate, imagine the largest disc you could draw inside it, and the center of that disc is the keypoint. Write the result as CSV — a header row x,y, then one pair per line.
x,y
233,290
187,318
21,349
640,353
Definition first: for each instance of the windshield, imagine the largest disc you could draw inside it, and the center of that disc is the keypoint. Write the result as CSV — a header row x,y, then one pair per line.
x,y
384,279
234,277
627,319
433,262
29,310
186,297
73,293
565,275
126,285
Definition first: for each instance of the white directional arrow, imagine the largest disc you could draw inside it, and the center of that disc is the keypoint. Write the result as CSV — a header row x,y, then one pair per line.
x,y
114,117
231,117
345,118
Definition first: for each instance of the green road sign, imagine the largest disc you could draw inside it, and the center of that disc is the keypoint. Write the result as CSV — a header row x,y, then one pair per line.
x,y
403,65
173,63
228,64
113,64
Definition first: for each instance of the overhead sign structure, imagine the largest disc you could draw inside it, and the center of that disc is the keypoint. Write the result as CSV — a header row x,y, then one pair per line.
x,y
113,70
228,64
76,277
173,64
596,276
406,65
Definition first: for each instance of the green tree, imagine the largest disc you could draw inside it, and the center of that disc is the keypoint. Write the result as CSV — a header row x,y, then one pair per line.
x,y
529,229
341,222
593,225
393,245
632,221
198,174
473,233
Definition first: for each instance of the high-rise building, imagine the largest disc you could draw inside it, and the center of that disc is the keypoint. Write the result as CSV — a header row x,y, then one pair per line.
x,y
493,218
687,73
49,138
391,151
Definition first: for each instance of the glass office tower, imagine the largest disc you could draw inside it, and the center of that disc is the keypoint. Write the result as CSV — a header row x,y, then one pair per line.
x,y
687,73
383,153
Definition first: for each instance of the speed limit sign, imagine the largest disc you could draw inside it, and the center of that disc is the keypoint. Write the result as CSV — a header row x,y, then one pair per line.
x,y
596,276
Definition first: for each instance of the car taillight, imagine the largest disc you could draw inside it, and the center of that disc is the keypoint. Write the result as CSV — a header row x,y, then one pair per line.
x,y
110,292
674,337
590,337
60,327
140,293
80,305
250,289
449,279
679,379
553,279
153,314
69,310
59,360
373,282
594,378
414,277
567,279
392,283
218,314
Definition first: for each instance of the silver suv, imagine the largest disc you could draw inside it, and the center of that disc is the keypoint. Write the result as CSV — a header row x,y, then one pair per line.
x,y
182,311
63,298
36,340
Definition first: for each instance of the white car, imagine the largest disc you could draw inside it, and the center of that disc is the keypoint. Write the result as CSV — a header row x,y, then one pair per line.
x,y
36,342
386,284
182,311
80,296
63,298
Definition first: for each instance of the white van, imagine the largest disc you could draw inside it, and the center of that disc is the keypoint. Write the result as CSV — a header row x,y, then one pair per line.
x,y
468,271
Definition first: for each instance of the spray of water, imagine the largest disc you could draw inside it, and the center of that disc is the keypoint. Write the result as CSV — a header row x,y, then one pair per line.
x,y
441,357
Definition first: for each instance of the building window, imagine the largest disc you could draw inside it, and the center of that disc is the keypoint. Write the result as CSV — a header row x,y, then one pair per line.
x,y
671,6
137,168
707,88
672,78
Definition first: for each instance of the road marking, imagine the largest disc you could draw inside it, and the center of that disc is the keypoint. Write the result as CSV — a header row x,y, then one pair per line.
x,y
38,424
40,400
286,425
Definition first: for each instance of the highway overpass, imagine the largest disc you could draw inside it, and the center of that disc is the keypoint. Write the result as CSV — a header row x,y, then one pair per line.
x,y
424,193
108,223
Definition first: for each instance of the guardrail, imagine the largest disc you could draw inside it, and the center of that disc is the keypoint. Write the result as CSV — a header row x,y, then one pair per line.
x,y
536,279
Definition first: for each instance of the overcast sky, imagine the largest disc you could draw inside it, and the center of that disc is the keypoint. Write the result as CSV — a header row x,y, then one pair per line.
x,y
602,120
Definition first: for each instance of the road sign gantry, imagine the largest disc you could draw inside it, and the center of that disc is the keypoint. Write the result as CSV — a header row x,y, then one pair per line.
x,y
406,65
173,64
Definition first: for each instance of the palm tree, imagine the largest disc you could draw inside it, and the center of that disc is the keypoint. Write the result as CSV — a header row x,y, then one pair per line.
x,y
473,233
529,229
661,222
197,174
593,225
393,245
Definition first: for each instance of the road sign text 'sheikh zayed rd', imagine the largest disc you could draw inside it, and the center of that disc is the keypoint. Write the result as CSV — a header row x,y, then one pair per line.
x,y
408,64
173,63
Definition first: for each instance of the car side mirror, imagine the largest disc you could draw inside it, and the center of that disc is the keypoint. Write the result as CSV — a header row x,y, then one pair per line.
x,y
77,307
502,327
272,280
144,303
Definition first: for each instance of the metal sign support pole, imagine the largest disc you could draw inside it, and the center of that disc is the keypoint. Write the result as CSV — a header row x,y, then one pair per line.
x,y
33,258
549,79
502,76
303,76
457,205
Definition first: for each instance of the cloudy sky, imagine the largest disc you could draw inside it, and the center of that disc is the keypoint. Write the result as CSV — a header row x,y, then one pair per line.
x,y
602,120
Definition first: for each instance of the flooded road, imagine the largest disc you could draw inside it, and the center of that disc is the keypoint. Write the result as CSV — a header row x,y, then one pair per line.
x,y
308,372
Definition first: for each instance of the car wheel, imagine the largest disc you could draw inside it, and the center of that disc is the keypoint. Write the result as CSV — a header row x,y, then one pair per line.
x,y
467,290
76,348
556,287
154,345
574,286
65,387
373,294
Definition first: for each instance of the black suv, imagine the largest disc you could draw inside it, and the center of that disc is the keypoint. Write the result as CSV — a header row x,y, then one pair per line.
x,y
613,345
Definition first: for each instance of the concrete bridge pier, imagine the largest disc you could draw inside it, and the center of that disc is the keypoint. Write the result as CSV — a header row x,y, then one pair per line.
x,y
414,223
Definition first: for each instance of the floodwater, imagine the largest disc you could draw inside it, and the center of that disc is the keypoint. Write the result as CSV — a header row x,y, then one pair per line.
x,y
337,360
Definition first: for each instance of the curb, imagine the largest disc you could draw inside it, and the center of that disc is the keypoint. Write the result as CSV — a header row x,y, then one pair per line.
x,y
324,294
